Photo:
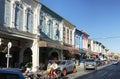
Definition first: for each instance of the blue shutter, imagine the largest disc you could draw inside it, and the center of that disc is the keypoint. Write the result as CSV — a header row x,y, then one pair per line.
x,y
30,21
21,20
46,32
27,26
2,3
17,14
7,13
44,25
75,39
41,22
51,29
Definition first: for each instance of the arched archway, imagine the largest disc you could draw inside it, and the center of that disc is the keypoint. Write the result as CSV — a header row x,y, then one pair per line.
x,y
27,56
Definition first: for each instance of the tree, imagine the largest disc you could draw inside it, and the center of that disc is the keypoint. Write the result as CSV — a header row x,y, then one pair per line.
x,y
116,56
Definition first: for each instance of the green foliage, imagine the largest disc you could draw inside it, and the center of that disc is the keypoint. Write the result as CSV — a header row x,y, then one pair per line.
x,y
29,64
116,56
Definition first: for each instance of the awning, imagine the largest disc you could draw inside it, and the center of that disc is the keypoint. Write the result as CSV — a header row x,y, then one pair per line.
x,y
69,49
76,51
110,55
96,54
6,31
72,50
50,44
83,51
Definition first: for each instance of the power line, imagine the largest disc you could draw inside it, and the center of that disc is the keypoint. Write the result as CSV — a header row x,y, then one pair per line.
x,y
114,37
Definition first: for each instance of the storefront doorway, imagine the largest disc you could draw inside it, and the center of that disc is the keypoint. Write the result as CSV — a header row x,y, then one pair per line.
x,y
53,55
27,56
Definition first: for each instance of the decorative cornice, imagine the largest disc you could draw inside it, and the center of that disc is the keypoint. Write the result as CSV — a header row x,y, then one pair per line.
x,y
13,31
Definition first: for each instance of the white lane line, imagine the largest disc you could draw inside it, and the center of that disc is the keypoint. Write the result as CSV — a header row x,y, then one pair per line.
x,y
103,74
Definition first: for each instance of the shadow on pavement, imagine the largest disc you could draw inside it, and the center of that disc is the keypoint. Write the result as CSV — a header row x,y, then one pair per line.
x,y
65,77
95,71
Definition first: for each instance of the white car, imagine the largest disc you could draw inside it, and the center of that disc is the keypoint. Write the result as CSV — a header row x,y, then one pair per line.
x,y
90,64
115,62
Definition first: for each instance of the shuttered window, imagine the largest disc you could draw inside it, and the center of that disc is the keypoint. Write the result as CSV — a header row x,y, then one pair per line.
x,y
18,16
7,13
29,21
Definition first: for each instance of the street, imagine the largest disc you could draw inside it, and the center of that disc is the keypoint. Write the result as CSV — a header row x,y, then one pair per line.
x,y
103,72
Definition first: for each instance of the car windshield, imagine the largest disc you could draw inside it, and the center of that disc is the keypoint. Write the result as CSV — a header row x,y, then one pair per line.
x,y
90,60
61,62
114,60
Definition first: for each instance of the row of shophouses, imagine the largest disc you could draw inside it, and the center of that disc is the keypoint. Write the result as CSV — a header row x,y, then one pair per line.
x,y
38,34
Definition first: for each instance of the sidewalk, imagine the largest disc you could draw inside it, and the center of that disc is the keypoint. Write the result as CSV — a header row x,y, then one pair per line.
x,y
80,67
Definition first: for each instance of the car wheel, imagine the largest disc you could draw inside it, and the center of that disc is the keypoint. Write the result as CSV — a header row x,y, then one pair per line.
x,y
75,70
64,72
59,74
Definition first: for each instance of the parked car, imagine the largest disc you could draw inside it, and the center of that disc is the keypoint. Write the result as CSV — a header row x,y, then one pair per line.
x,y
98,62
90,64
11,74
66,66
114,62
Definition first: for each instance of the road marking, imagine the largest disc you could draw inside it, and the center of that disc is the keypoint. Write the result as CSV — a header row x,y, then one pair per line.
x,y
104,74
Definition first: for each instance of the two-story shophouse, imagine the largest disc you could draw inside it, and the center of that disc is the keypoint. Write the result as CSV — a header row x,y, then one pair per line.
x,y
56,37
37,34
80,43
97,49
50,30
94,48
69,52
18,25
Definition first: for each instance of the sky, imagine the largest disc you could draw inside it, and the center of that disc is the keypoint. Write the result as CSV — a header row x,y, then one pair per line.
x,y
99,18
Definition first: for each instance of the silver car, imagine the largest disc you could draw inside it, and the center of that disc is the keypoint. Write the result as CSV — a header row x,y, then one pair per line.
x,y
90,64
66,66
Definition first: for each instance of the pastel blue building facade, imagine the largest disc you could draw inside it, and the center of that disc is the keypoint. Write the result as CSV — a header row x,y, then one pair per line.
x,y
50,24
78,39
5,12
50,29
17,18
78,43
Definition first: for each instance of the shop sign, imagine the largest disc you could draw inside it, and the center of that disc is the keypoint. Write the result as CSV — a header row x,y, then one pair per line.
x,y
8,56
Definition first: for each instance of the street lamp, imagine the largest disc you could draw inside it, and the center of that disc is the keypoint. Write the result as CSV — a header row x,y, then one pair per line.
x,y
8,53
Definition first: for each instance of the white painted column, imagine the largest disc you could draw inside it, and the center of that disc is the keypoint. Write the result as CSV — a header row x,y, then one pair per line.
x,y
35,54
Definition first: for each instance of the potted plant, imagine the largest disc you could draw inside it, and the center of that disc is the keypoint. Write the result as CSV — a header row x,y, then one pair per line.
x,y
29,65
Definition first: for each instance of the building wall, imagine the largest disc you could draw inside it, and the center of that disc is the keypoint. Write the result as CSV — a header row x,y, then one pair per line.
x,y
85,41
78,39
5,12
97,47
68,33
21,15
50,24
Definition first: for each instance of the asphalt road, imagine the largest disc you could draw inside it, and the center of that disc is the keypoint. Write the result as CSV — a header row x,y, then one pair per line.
x,y
108,72
102,72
